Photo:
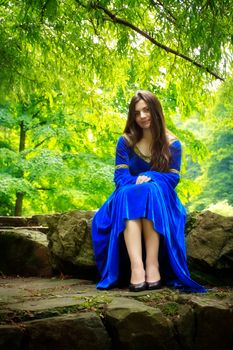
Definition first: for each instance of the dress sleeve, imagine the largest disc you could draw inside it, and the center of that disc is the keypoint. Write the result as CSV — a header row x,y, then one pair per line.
x,y
122,174
175,161
173,176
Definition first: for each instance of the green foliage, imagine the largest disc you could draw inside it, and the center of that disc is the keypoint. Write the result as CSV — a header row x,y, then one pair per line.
x,y
68,70
216,177
170,309
55,168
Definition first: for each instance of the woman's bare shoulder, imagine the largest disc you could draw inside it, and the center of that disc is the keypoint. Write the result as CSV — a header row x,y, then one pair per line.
x,y
127,138
171,137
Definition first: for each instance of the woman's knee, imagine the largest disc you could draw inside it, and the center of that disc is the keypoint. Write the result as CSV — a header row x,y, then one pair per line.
x,y
147,224
133,223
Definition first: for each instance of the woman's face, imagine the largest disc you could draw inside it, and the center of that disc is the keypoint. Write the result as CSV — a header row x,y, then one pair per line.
x,y
142,115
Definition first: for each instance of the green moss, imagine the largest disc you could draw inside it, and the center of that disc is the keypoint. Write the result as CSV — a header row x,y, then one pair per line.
x,y
169,309
149,297
95,304
220,294
159,297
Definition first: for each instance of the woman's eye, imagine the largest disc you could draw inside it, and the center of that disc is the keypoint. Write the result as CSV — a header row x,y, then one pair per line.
x,y
144,110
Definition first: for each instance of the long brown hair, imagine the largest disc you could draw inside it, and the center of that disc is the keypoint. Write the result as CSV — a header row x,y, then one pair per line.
x,y
160,153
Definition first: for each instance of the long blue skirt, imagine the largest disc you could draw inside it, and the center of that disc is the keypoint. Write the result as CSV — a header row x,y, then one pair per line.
x,y
155,201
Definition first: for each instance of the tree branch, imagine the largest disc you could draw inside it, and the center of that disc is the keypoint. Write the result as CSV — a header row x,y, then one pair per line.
x,y
45,188
22,75
97,33
172,18
116,19
35,114
40,143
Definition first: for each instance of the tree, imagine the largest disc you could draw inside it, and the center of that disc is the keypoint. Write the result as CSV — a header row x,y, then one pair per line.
x,y
68,70
216,174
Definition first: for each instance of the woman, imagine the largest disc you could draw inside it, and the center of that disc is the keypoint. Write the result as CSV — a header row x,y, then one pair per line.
x,y
144,208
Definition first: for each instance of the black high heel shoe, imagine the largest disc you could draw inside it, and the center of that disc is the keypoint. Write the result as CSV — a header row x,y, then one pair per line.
x,y
154,285
138,287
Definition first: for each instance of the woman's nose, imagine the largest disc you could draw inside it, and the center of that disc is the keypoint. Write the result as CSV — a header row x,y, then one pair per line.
x,y
142,114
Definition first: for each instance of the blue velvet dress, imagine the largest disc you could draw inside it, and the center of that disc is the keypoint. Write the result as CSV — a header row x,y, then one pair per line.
x,y
155,200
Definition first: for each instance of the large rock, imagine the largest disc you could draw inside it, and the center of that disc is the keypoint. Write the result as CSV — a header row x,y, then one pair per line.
x,y
210,248
209,245
70,242
17,221
24,252
11,337
81,331
185,326
68,314
133,325
214,324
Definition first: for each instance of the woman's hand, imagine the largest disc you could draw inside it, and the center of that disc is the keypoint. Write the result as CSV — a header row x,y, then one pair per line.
x,y
142,178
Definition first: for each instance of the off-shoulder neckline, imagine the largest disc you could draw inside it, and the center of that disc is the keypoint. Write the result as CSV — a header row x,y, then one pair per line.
x,y
137,151
170,141
173,141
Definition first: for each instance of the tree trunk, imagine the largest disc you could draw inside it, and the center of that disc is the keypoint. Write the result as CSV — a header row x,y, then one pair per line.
x,y
20,195
22,138
19,203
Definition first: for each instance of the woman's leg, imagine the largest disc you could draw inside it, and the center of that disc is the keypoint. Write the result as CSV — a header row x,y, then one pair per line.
x,y
133,241
151,238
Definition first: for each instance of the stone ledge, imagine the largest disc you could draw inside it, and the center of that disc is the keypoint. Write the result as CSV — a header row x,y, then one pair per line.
x,y
33,309
209,245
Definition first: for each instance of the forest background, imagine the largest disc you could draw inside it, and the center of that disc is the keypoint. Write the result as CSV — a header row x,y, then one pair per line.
x,y
68,70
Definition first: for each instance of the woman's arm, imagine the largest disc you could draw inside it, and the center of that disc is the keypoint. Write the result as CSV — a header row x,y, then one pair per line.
x,y
122,174
175,161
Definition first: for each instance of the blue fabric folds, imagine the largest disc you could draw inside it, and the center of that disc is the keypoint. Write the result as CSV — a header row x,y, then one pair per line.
x,y
155,200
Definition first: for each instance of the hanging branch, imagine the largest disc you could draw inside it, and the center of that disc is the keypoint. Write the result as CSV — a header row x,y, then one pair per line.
x,y
118,20
171,17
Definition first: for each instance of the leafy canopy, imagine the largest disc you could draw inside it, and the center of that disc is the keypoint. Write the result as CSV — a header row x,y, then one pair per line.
x,y
68,69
